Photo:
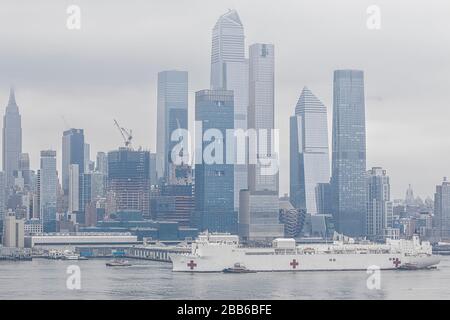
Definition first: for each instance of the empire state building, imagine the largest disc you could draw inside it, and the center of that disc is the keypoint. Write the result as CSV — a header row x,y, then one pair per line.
x,y
12,139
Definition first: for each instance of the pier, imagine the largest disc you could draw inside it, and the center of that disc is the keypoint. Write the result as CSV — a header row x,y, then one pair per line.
x,y
156,253
146,252
15,254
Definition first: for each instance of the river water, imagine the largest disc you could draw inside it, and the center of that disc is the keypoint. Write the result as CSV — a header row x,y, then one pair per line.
x,y
47,279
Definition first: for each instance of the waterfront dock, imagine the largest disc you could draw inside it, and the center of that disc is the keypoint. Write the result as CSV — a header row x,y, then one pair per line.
x,y
154,252
15,254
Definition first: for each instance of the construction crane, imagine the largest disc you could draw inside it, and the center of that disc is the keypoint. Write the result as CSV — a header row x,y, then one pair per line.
x,y
127,135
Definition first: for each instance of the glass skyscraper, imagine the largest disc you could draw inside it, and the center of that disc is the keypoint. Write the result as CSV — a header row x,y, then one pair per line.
x,y
48,181
441,220
229,71
214,182
172,114
309,155
379,205
259,206
348,180
72,153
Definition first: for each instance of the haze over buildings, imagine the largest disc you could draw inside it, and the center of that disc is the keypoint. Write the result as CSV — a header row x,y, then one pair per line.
x,y
119,74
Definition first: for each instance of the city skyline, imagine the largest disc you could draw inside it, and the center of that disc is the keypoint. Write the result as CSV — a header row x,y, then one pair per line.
x,y
150,146
392,111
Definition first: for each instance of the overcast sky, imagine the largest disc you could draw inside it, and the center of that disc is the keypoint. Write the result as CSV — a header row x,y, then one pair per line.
x,y
108,70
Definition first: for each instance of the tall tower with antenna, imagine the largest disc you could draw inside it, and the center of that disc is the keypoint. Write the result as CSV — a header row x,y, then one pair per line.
x,y
12,138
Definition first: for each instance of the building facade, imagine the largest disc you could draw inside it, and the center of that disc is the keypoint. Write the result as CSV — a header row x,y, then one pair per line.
x,y
214,178
73,148
259,210
128,179
102,163
229,71
3,195
13,235
441,220
379,206
174,203
12,139
349,153
309,154
172,113
48,182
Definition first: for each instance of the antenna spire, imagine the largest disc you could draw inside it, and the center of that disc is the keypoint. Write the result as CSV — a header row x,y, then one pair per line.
x,y
12,97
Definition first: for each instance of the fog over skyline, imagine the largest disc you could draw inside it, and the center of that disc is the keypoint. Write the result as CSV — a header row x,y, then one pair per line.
x,y
108,70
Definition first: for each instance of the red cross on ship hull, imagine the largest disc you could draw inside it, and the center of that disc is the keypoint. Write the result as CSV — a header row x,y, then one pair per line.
x,y
192,264
396,262
294,264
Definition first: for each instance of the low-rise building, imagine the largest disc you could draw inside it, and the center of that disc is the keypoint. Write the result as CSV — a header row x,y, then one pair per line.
x,y
80,238
13,232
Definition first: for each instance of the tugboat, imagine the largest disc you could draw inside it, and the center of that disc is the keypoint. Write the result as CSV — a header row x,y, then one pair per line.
x,y
118,263
238,268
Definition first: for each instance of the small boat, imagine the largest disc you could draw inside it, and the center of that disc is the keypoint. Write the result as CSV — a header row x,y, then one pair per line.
x,y
55,255
238,268
118,263
70,255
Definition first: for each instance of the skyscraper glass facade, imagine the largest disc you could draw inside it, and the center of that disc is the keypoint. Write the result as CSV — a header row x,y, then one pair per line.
x,y
48,190
379,206
172,114
214,192
349,152
72,153
309,162
259,211
229,71
441,220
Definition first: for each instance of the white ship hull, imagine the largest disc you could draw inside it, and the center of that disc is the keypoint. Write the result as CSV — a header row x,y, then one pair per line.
x,y
208,256
325,262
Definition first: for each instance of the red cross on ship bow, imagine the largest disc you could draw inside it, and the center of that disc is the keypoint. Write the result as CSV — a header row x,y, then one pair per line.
x,y
294,264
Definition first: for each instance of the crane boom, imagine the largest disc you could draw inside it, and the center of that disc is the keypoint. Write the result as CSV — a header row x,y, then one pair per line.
x,y
126,135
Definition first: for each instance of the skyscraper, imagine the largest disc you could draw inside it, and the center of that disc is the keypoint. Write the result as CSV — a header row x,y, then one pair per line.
x,y
102,163
309,155
87,158
3,197
48,181
379,205
348,180
441,220
128,179
172,114
259,210
72,153
24,168
152,170
214,193
97,181
229,71
409,197
12,139
74,189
